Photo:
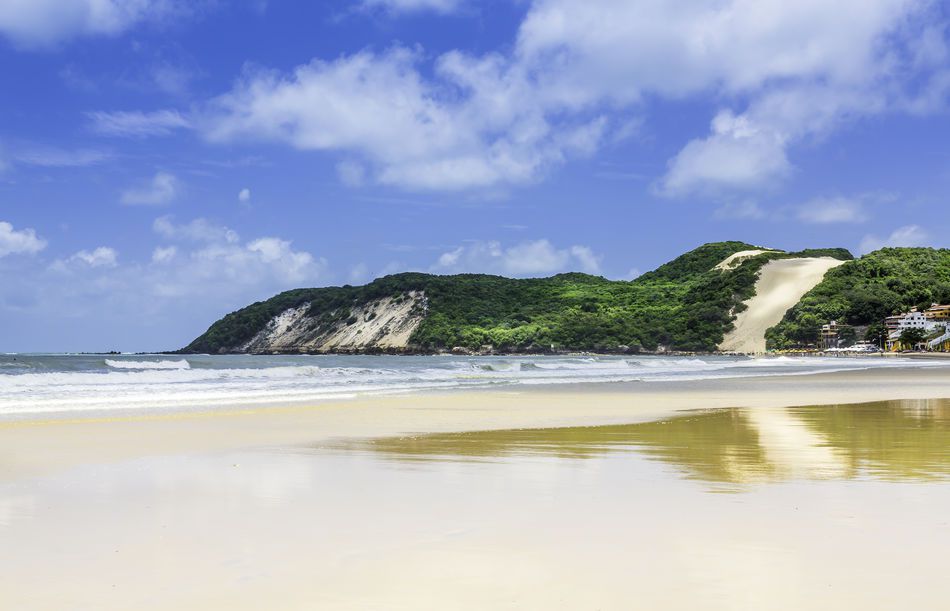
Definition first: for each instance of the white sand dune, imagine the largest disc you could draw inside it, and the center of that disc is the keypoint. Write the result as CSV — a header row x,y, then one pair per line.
x,y
780,286
736,258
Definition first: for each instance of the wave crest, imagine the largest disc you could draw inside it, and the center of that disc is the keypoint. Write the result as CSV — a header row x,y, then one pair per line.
x,y
181,364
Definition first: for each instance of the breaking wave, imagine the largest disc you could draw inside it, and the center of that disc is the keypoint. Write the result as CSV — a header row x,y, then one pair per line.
x,y
182,364
64,383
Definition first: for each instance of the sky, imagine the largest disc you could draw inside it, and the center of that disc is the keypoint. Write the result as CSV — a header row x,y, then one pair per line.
x,y
164,162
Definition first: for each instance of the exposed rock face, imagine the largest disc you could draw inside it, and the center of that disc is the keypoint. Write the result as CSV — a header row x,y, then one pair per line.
x,y
381,324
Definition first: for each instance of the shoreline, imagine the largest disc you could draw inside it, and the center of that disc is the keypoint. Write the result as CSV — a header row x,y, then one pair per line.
x,y
40,445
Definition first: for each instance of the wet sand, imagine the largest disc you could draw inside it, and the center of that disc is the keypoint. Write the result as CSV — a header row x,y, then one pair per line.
x,y
715,495
34,447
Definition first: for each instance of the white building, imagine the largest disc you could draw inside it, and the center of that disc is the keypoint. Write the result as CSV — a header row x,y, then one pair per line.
x,y
912,320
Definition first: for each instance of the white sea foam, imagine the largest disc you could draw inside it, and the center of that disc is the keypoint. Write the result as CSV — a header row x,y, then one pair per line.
x,y
182,364
68,383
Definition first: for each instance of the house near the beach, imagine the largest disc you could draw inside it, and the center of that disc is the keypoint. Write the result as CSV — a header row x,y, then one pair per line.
x,y
938,313
934,319
830,335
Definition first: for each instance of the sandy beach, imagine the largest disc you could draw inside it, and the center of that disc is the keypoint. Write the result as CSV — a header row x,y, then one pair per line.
x,y
36,446
720,494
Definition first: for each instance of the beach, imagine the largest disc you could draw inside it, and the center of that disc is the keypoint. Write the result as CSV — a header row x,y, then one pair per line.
x,y
777,491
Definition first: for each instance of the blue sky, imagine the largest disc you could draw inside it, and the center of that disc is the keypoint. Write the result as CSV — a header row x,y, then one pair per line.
x,y
164,162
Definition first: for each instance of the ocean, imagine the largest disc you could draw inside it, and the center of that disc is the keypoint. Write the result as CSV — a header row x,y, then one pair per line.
x,y
60,383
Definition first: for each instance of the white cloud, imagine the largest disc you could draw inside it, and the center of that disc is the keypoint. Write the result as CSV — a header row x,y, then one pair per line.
x,y
244,195
825,211
531,258
472,126
161,302
102,256
407,6
574,72
164,254
909,235
260,266
749,151
42,23
621,49
291,265
738,154
137,124
221,249
160,190
22,241
196,230
589,262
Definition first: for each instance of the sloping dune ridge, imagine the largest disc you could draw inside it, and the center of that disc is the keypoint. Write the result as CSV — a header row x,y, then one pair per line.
x,y
781,285
735,259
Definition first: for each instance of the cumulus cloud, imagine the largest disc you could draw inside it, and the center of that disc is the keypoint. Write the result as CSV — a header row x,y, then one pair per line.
x,y
136,124
738,154
221,248
234,267
826,211
22,241
412,131
908,235
531,258
574,73
749,151
160,190
102,256
244,195
43,23
164,300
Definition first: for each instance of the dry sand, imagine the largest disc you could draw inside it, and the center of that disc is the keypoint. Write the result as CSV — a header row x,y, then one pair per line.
x,y
780,286
736,258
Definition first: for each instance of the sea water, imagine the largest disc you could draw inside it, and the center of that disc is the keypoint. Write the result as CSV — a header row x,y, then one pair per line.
x,y
47,383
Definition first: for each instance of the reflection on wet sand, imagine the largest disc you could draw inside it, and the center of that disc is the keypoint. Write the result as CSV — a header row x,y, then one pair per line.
x,y
888,440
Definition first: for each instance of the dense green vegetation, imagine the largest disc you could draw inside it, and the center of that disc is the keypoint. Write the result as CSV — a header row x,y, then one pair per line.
x,y
865,291
682,305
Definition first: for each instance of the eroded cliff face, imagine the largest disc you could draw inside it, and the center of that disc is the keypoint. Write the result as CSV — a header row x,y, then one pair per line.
x,y
380,324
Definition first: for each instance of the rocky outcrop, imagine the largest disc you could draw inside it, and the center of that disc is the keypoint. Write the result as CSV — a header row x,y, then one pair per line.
x,y
384,324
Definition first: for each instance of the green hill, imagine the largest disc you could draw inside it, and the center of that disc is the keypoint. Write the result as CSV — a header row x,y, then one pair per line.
x,y
682,305
864,291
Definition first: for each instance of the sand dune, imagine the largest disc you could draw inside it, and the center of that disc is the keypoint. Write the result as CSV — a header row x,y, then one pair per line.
x,y
736,258
780,286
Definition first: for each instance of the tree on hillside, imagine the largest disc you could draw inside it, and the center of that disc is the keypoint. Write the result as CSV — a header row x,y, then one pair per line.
x,y
911,337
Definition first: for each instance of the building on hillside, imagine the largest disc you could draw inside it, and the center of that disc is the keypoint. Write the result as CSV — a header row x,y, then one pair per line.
x,y
832,335
934,319
938,313
891,323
